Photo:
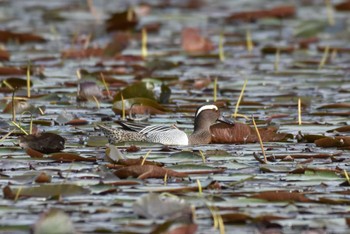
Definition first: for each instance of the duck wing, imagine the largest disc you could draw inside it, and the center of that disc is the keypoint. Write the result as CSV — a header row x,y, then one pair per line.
x,y
145,128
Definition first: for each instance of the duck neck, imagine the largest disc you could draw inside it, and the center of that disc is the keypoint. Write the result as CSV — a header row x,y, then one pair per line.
x,y
200,126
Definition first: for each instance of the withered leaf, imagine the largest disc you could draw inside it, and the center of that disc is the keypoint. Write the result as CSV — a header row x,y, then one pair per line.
x,y
70,157
6,36
243,133
43,178
236,218
341,129
45,190
82,53
329,142
16,83
343,6
121,21
277,12
193,41
277,196
137,161
8,71
4,55
34,153
146,171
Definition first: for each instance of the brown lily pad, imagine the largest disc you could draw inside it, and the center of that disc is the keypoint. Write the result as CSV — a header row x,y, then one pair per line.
x,y
193,41
146,171
6,36
242,133
278,196
276,12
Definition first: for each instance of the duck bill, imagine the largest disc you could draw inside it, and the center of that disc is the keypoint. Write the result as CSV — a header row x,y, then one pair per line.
x,y
222,119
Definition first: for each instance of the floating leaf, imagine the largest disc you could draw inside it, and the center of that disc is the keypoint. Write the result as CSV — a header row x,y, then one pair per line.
x,y
96,141
88,90
281,196
19,105
43,142
43,178
137,90
82,53
310,28
146,171
122,21
138,106
335,105
33,153
174,227
52,222
343,6
328,142
70,157
6,36
341,129
119,42
278,12
193,41
8,71
4,55
242,133
153,206
46,190
114,154
236,218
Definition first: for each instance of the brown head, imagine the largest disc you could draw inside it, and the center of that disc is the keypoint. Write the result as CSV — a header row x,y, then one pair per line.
x,y
205,116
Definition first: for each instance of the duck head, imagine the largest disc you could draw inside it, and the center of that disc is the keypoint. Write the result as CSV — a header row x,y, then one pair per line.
x,y
205,116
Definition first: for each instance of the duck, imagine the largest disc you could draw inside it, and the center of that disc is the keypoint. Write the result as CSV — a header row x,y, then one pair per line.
x,y
206,115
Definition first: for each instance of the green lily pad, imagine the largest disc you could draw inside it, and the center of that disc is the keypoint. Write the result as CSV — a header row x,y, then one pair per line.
x,y
148,105
137,90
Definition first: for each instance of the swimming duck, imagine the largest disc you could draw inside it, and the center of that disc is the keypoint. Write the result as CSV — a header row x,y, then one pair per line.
x,y
206,115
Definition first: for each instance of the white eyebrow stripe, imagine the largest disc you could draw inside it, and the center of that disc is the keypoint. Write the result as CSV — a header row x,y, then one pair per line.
x,y
206,107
